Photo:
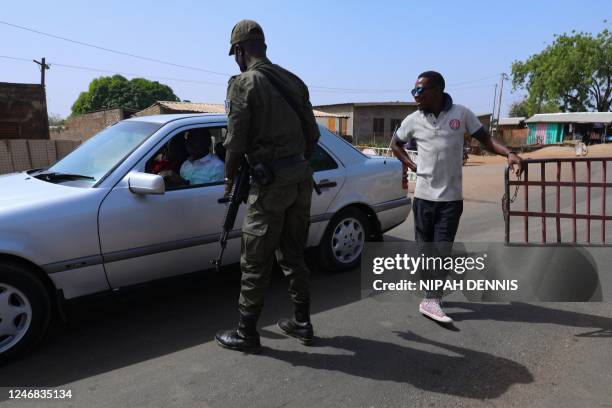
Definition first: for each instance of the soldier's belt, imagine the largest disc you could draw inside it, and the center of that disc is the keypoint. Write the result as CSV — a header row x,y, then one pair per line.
x,y
286,161
264,174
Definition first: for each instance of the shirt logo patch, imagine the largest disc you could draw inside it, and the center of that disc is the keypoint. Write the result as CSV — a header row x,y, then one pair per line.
x,y
454,124
228,106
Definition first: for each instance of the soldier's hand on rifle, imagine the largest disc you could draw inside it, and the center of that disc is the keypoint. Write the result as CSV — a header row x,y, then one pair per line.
x,y
228,185
515,159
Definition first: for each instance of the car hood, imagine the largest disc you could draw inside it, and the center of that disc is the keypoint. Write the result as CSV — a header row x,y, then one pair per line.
x,y
20,190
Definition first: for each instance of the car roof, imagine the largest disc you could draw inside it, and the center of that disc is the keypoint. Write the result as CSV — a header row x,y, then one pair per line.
x,y
348,153
167,118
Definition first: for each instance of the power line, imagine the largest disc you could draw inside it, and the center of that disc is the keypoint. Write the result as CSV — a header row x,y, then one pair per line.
x,y
15,58
339,91
472,80
55,64
137,75
321,88
114,51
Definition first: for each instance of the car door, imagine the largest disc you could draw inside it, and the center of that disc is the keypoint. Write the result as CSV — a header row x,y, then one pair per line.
x,y
329,175
146,237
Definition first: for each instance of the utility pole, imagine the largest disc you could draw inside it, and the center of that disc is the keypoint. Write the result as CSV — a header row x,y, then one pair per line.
x,y
493,111
43,68
501,90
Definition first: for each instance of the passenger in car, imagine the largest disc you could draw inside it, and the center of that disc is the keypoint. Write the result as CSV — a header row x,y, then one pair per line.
x,y
170,158
168,163
202,166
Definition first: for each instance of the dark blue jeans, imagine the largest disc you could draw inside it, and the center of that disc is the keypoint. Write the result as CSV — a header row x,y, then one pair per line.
x,y
436,221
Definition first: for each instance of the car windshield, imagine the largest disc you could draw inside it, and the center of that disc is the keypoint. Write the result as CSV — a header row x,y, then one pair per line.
x,y
100,154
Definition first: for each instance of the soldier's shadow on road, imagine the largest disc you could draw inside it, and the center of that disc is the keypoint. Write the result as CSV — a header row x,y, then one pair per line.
x,y
116,330
455,370
533,314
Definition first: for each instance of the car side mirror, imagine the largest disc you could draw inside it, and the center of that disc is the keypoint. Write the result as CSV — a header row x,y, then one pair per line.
x,y
145,183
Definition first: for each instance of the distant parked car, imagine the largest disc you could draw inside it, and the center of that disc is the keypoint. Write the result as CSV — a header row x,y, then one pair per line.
x,y
99,219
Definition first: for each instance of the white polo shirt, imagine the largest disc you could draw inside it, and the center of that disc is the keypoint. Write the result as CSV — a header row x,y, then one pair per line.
x,y
440,149
208,169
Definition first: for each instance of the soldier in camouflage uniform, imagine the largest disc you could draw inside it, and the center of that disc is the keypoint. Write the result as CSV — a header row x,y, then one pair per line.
x,y
266,126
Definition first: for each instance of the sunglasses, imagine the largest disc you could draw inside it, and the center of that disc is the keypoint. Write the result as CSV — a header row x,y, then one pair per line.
x,y
418,91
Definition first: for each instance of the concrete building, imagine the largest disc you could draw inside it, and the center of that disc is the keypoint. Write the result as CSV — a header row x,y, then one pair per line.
x,y
370,122
23,111
550,128
82,127
336,123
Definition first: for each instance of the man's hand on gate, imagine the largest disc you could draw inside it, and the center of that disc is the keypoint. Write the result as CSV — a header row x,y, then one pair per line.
x,y
515,159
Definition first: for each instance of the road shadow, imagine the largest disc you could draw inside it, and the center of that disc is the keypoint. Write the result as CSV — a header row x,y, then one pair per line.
x,y
532,313
464,373
119,329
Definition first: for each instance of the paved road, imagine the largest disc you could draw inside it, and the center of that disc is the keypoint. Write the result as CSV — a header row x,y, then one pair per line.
x,y
151,346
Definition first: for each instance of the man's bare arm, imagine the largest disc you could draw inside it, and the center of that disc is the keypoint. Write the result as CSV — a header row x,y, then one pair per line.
x,y
495,146
397,146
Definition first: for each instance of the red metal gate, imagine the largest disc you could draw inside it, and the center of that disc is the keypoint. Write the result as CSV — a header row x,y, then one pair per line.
x,y
590,164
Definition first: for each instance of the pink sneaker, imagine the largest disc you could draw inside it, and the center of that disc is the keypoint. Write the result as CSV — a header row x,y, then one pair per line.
x,y
431,308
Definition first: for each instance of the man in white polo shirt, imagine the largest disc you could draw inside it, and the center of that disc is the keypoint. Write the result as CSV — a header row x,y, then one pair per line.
x,y
438,127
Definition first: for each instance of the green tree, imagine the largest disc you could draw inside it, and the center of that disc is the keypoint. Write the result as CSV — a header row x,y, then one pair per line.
x,y
573,73
527,108
55,119
116,91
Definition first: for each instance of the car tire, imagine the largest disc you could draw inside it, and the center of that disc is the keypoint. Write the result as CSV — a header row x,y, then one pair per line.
x,y
344,240
25,310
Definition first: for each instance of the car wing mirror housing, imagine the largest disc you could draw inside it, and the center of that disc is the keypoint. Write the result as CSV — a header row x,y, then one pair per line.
x,y
145,183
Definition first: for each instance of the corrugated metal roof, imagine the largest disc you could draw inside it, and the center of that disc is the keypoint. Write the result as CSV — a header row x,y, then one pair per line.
x,y
220,108
396,103
511,121
193,107
320,114
571,117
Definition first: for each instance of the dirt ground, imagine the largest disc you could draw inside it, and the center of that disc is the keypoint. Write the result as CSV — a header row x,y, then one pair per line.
x,y
599,150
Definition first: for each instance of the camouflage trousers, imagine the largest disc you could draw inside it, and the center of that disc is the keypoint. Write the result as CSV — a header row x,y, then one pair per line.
x,y
276,224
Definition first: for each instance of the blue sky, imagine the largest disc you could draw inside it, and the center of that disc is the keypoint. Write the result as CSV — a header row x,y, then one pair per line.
x,y
372,50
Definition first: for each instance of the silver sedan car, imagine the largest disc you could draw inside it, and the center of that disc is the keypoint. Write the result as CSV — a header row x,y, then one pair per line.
x,y
105,217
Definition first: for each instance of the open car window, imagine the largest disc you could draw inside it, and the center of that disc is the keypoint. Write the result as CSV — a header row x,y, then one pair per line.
x,y
192,158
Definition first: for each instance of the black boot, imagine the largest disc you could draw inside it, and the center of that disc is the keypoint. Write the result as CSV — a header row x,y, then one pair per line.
x,y
244,338
300,326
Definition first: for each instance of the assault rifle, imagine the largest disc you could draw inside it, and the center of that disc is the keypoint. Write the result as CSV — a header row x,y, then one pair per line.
x,y
238,195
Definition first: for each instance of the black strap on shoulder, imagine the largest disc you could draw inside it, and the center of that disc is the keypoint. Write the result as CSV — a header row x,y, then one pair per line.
x,y
285,94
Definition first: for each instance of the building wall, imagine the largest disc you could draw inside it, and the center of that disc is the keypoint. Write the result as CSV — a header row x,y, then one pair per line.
x,y
363,122
333,124
82,127
344,110
485,120
151,110
23,111
24,154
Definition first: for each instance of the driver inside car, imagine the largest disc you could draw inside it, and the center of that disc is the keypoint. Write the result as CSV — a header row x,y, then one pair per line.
x,y
202,166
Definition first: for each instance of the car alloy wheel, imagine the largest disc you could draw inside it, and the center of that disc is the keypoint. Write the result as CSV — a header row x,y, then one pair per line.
x,y
25,309
347,240
15,316
344,240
